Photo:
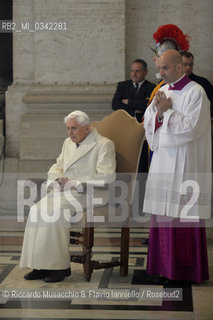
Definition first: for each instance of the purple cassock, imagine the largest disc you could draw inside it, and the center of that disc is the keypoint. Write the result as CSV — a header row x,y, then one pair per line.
x,y
177,250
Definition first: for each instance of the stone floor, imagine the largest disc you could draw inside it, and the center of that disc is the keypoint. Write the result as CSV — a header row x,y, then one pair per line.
x,y
107,295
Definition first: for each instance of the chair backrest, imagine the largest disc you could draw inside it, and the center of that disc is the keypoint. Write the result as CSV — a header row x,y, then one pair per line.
x,y
128,136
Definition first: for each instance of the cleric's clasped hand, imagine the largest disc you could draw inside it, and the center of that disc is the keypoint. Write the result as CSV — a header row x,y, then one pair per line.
x,y
162,102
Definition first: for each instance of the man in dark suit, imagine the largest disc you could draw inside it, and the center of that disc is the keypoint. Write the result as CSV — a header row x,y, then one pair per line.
x,y
188,63
132,95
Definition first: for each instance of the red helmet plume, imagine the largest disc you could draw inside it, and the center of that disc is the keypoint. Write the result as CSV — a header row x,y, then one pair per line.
x,y
169,36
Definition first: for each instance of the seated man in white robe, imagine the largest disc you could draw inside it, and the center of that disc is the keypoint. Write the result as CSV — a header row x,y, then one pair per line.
x,y
178,190
86,156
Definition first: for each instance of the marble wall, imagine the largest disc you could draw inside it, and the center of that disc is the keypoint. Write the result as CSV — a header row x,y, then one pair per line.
x,y
90,55
87,55
88,49
56,72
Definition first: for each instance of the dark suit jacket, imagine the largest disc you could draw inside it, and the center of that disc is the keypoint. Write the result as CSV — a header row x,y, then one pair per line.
x,y
126,90
207,87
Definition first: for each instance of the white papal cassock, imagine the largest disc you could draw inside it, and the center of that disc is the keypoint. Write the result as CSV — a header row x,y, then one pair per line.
x,y
47,233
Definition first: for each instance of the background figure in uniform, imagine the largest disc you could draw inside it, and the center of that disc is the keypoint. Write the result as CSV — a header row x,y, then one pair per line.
x,y
132,95
86,156
178,130
188,64
167,36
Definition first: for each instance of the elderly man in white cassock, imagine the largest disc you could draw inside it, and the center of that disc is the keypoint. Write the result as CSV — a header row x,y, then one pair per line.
x,y
178,189
85,156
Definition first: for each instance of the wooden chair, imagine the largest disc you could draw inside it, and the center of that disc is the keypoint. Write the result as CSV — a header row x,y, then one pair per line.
x,y
128,136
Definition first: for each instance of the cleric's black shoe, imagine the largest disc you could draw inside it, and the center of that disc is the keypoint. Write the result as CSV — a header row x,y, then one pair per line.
x,y
175,283
36,274
57,275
